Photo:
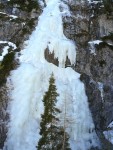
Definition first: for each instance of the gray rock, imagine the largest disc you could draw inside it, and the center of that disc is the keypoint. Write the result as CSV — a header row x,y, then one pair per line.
x,y
88,23
16,31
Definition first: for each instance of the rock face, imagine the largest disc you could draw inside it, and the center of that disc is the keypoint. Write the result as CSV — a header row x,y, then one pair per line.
x,y
3,114
88,23
16,24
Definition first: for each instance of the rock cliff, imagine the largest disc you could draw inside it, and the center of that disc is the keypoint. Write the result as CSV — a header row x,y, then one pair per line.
x,y
17,21
92,29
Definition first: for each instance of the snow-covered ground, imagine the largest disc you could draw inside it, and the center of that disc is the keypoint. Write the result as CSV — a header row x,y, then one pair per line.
x,y
5,49
31,80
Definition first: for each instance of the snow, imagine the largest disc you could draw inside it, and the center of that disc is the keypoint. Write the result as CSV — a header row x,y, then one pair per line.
x,y
110,125
9,43
65,10
109,133
100,86
5,49
92,45
111,44
30,81
80,16
3,13
94,1
12,16
95,42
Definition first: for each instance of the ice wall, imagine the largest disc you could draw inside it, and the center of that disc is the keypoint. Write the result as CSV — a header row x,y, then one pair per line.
x,y
30,81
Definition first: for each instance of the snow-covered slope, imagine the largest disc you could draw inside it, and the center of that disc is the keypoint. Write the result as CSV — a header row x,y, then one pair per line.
x,y
30,81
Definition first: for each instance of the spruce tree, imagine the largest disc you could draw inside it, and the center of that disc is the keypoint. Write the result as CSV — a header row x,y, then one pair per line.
x,y
52,134
108,5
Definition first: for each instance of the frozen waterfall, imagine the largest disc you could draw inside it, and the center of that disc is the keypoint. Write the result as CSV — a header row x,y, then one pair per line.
x,y
30,81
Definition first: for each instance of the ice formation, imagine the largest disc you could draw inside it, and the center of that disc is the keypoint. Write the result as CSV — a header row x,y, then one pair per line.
x,y
100,87
92,46
30,81
109,132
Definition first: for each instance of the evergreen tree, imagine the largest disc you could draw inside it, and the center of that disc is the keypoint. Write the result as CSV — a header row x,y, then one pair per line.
x,y
52,134
108,5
